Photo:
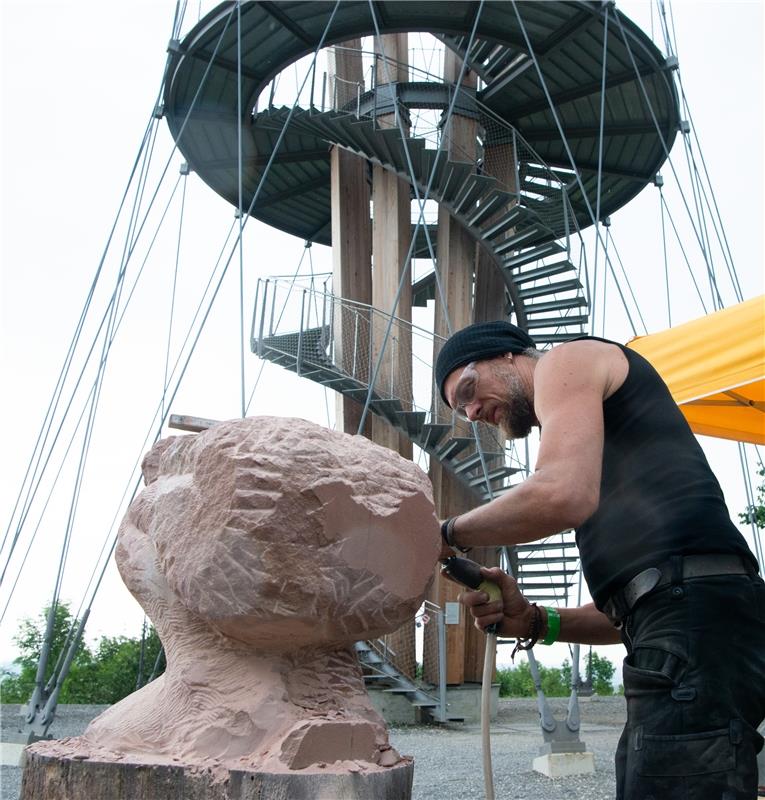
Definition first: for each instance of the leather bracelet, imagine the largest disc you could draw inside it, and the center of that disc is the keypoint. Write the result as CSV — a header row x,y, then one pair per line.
x,y
534,631
553,625
447,534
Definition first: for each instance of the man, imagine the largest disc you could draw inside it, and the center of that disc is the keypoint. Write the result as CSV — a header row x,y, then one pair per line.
x,y
670,575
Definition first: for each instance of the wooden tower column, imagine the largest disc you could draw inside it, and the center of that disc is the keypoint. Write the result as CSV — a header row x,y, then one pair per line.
x,y
455,264
490,305
351,236
391,231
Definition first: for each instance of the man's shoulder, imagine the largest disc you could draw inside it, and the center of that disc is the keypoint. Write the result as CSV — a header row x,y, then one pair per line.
x,y
602,361
584,348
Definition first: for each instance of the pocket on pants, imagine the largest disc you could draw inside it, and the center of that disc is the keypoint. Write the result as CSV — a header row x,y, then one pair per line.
x,y
651,669
683,755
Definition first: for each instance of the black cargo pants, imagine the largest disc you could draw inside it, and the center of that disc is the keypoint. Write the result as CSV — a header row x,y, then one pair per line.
x,y
694,681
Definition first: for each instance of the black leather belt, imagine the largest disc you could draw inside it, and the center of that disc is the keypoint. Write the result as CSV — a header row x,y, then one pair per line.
x,y
618,606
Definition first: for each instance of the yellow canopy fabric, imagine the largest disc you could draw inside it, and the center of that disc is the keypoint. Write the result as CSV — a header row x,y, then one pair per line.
x,y
715,369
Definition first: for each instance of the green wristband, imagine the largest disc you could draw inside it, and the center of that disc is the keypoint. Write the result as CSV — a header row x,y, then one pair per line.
x,y
553,625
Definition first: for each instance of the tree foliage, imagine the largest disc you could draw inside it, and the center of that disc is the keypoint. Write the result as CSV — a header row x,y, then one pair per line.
x,y
756,513
103,674
556,681
600,671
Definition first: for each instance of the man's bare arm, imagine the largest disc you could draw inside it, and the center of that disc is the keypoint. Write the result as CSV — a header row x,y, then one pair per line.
x,y
570,384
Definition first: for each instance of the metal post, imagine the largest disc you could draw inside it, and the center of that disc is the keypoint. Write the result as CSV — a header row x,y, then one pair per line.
x,y
515,165
566,222
392,363
271,94
262,318
300,334
313,81
374,91
324,319
271,318
355,342
50,707
331,300
323,91
370,360
358,100
254,313
572,716
546,718
441,665
39,695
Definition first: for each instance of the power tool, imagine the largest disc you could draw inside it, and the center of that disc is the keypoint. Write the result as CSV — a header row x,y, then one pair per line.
x,y
468,573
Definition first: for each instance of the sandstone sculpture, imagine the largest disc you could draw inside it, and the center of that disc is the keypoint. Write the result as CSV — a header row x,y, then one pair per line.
x,y
261,549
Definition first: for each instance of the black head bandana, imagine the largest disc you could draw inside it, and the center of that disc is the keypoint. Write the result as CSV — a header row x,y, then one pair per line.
x,y
476,342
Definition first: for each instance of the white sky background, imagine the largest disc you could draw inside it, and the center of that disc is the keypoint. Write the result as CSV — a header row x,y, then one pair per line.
x,y
79,82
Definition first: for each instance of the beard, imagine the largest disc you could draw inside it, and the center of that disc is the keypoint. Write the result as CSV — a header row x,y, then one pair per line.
x,y
516,414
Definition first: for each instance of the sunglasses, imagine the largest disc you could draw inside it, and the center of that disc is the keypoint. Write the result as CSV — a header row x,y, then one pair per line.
x,y
466,388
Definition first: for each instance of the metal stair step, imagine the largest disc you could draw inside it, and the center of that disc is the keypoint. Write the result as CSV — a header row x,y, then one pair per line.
x,y
492,204
365,133
341,383
542,573
534,254
556,305
359,395
486,496
393,144
412,422
552,585
432,433
534,171
547,560
555,338
534,546
547,597
546,190
494,475
551,322
416,149
345,131
473,462
441,168
520,236
314,372
387,408
545,271
514,217
480,186
550,288
455,178
453,446
481,50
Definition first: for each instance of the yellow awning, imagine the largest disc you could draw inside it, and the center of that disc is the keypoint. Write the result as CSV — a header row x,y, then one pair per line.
x,y
715,369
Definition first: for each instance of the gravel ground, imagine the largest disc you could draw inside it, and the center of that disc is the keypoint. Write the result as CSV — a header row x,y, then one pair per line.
x,y
448,762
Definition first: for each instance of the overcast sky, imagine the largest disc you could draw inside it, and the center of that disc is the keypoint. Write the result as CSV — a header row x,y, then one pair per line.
x,y
79,82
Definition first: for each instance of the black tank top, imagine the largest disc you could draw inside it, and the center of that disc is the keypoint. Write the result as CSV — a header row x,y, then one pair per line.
x,y
658,495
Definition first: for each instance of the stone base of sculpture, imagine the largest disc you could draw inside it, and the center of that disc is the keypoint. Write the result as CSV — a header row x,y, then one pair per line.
x,y
56,776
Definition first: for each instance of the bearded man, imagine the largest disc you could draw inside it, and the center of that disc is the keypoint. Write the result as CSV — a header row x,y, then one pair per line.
x,y
671,577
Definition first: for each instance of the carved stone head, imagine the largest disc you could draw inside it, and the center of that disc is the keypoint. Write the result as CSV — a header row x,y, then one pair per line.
x,y
281,534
